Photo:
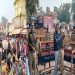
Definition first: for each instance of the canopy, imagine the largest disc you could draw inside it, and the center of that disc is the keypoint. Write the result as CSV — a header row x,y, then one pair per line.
x,y
10,33
16,31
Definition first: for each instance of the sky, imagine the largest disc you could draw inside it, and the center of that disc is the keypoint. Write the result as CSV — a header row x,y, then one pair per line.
x,y
52,3
7,6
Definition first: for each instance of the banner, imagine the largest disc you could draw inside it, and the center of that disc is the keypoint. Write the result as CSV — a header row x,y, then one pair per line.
x,y
48,21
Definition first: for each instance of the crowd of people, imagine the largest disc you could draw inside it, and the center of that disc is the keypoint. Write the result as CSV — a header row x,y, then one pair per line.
x,y
13,56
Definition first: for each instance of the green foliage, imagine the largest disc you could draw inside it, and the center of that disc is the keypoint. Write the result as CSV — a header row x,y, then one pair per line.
x,y
55,9
4,20
73,8
74,17
64,14
31,7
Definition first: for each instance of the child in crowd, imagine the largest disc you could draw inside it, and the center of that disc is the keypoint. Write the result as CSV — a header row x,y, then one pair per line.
x,y
4,68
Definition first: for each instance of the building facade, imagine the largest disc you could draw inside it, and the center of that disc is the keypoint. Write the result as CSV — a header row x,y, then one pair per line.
x,y
20,13
1,28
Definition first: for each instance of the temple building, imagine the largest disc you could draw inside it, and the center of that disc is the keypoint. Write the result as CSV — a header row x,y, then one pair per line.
x,y
20,13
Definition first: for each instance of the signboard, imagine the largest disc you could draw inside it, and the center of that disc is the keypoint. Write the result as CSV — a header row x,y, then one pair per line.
x,y
48,21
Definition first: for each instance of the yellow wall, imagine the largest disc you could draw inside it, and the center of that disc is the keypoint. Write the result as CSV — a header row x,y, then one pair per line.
x,y
1,29
19,6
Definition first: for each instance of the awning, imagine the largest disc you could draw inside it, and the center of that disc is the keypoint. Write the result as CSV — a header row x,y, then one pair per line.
x,y
10,33
16,31
24,31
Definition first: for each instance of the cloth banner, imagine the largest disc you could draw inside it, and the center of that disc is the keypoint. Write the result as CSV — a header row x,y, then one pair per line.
x,y
48,21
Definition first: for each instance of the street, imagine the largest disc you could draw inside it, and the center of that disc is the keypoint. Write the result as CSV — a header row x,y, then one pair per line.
x,y
46,72
37,37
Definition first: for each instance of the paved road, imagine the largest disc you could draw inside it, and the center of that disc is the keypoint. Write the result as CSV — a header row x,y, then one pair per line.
x,y
52,73
41,67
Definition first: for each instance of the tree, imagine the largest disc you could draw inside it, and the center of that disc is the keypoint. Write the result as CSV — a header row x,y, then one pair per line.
x,y
73,9
31,7
4,20
73,6
64,14
56,9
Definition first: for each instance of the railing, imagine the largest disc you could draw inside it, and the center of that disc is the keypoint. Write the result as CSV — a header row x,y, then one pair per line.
x,y
68,37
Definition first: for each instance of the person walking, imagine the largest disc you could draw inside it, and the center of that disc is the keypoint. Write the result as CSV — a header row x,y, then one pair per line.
x,y
27,67
32,50
9,47
61,51
5,47
17,48
13,48
56,48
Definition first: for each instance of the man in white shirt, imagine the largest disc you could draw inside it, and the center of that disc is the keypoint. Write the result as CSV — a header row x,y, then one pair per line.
x,y
13,40
5,47
5,44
